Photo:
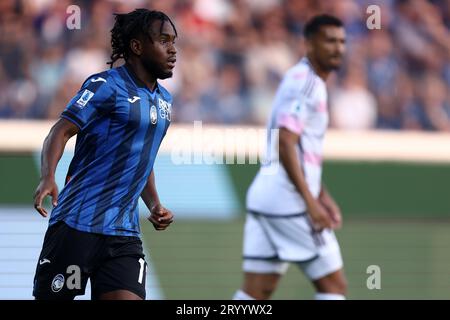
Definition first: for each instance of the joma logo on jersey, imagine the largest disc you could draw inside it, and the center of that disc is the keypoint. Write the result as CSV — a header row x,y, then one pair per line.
x,y
165,109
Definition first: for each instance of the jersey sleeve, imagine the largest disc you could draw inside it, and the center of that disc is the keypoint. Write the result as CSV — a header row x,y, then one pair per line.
x,y
293,109
97,95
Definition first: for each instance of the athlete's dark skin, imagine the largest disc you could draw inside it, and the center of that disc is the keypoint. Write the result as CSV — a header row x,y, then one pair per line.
x,y
151,57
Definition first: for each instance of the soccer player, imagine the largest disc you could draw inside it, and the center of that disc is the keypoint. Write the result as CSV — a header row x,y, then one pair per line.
x,y
120,117
291,216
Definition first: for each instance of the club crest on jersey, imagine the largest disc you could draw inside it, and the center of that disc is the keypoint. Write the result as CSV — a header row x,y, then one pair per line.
x,y
58,283
165,109
84,99
153,115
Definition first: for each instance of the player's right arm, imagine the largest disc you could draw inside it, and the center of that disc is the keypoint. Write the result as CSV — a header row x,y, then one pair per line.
x,y
96,97
289,159
292,116
52,151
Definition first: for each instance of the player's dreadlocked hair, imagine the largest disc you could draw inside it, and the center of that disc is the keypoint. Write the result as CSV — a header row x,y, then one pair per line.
x,y
129,25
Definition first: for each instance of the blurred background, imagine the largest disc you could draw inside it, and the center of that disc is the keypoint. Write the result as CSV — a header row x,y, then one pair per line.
x,y
232,55
387,156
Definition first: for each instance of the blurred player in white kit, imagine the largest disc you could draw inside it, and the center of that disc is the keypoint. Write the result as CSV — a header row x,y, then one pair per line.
x,y
291,215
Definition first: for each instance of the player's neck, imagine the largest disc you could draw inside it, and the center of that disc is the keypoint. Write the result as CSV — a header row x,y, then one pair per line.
x,y
323,74
141,74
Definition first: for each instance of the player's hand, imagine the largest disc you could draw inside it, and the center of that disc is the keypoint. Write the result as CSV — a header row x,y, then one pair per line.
x,y
333,210
160,217
46,187
319,216
335,213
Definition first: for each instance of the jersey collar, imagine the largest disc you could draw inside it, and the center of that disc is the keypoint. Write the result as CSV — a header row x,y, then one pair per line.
x,y
138,82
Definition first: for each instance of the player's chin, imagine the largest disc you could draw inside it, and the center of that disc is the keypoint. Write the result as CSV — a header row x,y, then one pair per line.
x,y
334,63
334,66
166,73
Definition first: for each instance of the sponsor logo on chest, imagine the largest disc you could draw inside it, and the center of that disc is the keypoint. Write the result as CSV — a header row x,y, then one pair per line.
x,y
165,109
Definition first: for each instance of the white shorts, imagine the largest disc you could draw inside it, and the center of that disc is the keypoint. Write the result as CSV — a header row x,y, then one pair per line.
x,y
271,242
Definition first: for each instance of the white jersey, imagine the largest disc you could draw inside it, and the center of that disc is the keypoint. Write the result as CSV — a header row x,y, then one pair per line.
x,y
300,106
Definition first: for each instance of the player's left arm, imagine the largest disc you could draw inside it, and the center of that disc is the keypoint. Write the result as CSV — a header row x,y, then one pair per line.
x,y
160,217
331,206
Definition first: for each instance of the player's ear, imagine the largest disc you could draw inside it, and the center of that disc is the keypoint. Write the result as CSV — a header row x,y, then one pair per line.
x,y
136,46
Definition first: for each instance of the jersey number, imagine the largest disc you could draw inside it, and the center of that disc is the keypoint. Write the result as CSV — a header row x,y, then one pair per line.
x,y
141,270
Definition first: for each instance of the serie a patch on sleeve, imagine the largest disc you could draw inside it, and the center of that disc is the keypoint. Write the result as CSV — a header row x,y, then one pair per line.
x,y
84,99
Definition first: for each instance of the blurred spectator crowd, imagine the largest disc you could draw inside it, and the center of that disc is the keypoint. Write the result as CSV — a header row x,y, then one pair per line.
x,y
232,55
